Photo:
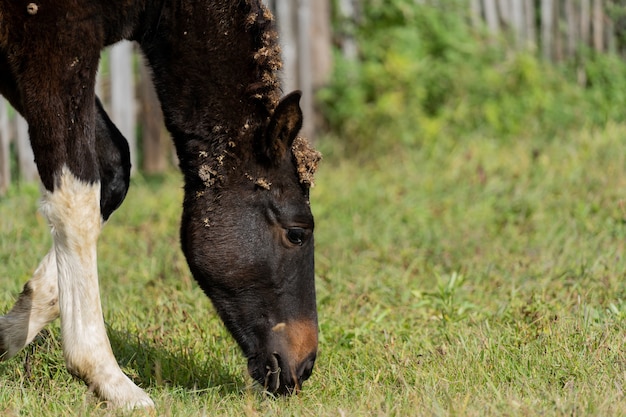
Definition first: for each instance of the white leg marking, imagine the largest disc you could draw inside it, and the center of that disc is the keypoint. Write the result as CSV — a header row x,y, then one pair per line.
x,y
35,308
73,211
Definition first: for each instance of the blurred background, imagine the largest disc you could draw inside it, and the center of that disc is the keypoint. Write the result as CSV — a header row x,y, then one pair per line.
x,y
383,73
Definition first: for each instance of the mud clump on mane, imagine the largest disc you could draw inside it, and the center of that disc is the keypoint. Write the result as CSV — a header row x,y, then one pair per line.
x,y
266,56
307,159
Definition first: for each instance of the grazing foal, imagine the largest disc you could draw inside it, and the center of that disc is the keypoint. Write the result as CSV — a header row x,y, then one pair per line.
x,y
246,228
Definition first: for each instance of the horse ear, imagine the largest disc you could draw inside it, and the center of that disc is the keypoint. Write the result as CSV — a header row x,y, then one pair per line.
x,y
283,127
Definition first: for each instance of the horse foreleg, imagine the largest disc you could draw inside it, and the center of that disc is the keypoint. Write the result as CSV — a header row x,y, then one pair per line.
x,y
66,280
36,306
74,213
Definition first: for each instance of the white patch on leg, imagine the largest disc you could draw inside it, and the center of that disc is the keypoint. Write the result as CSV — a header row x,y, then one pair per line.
x,y
35,308
73,210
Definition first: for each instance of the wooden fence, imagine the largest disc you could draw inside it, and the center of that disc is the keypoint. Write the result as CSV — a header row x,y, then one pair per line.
x,y
127,93
559,29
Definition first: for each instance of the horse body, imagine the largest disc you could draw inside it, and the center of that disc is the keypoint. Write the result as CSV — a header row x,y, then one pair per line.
x,y
246,227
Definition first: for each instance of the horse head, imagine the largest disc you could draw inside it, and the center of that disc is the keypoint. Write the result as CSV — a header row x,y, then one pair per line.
x,y
247,234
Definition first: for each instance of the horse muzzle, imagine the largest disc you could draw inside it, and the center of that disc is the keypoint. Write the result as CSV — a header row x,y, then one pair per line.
x,y
291,353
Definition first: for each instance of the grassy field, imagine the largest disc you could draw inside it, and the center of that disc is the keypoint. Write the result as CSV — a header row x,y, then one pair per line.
x,y
467,278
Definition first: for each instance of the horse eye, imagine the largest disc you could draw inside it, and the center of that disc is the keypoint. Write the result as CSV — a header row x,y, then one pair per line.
x,y
296,235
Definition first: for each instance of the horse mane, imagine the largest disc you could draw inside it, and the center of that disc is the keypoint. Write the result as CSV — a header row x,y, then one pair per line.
x,y
266,55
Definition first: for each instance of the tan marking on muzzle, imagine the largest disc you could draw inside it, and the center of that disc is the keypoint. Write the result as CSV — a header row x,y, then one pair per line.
x,y
301,338
279,327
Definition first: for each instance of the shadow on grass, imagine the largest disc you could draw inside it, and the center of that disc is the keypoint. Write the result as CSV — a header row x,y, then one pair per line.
x,y
148,364
152,366
144,362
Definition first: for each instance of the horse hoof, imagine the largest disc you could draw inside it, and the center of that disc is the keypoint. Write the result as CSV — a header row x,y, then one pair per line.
x,y
122,393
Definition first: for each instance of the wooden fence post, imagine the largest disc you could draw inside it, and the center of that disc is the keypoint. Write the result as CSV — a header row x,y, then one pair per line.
x,y
123,104
572,28
5,150
153,144
585,21
598,26
320,55
294,25
529,24
547,19
504,13
517,22
321,41
491,16
303,23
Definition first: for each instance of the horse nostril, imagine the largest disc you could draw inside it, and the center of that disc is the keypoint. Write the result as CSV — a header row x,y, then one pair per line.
x,y
272,376
275,361
306,368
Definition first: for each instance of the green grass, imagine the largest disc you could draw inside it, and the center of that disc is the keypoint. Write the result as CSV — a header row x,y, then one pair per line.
x,y
472,277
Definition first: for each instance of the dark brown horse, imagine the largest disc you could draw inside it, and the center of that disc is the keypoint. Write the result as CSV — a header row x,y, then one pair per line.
x,y
247,228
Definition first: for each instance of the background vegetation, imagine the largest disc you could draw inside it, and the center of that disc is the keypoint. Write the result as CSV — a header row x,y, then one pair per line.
x,y
424,74
471,224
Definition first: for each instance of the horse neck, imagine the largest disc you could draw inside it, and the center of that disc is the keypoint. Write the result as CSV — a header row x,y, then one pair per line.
x,y
215,66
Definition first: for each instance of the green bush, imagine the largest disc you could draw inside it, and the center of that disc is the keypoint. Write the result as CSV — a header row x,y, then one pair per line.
x,y
424,75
